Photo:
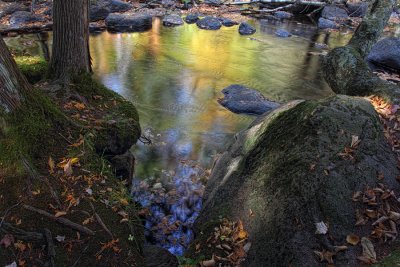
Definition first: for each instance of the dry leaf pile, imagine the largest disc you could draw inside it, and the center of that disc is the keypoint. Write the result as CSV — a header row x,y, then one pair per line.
x,y
229,243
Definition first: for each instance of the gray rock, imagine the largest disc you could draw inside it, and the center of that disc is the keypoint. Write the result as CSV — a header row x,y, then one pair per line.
x,y
213,2
119,6
12,8
209,23
283,33
21,17
191,18
327,24
357,9
228,22
172,20
283,15
241,99
168,3
246,29
386,53
334,13
128,23
285,168
99,12
159,257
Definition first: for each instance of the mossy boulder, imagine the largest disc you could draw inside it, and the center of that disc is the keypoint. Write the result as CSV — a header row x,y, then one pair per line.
x,y
33,67
286,170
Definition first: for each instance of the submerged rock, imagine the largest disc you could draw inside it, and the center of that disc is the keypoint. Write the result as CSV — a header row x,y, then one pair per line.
x,y
172,20
386,53
241,99
228,22
286,171
246,29
283,33
21,17
128,23
209,23
334,13
327,24
191,18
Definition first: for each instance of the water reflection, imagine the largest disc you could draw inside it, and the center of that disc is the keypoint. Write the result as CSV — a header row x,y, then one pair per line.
x,y
174,75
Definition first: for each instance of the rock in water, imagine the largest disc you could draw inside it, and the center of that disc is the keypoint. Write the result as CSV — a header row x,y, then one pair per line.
x,y
172,20
209,23
386,53
228,22
283,33
285,170
128,23
327,24
191,18
241,99
246,29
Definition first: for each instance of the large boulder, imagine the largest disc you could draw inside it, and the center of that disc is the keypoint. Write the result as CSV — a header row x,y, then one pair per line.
x,y
386,53
334,13
286,173
209,23
128,23
172,20
246,29
22,17
101,8
243,100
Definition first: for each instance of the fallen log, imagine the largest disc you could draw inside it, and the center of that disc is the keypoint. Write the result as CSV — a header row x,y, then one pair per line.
x,y
302,2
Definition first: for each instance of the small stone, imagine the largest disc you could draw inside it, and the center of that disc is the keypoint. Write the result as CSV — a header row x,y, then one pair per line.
x,y
172,20
246,29
191,18
209,23
283,33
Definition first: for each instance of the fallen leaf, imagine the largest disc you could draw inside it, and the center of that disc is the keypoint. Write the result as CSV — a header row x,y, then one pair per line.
x,y
208,263
355,141
353,239
51,164
60,213
368,248
322,228
60,238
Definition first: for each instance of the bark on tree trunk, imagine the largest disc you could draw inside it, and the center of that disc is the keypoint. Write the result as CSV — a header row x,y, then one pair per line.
x,y
13,84
70,39
345,68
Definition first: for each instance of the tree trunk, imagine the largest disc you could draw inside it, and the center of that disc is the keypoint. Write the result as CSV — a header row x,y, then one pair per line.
x,y
13,84
345,68
70,39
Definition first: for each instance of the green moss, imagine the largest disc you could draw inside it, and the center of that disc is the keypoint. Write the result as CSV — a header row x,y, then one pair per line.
x,y
33,67
392,260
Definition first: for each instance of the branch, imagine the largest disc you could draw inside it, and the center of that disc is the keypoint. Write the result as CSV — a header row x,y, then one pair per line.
x,y
61,220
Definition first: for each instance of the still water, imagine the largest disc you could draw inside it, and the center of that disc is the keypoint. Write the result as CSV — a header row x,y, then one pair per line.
x,y
174,76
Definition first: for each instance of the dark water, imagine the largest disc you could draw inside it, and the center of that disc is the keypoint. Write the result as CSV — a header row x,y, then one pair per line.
x,y
174,76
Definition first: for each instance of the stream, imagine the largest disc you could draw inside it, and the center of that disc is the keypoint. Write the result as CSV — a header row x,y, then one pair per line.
x,y
174,77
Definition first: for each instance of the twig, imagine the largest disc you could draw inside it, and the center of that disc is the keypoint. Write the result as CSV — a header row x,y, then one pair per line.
x,y
50,247
83,252
145,140
61,220
65,139
100,221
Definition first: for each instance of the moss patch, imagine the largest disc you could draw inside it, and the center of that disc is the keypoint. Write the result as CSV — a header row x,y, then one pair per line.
x,y
33,67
